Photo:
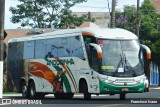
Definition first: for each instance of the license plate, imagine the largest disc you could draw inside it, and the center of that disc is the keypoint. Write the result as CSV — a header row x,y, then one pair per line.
x,y
124,89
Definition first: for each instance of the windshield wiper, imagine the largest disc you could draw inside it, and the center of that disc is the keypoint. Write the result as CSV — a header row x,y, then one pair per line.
x,y
121,62
128,65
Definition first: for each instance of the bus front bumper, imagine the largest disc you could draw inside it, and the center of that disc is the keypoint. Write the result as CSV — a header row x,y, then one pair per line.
x,y
106,88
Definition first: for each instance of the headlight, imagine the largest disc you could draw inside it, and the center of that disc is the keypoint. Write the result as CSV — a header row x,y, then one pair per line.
x,y
103,77
141,81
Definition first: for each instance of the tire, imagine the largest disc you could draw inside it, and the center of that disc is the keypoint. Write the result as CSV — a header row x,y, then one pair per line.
x,y
87,95
24,90
122,96
147,89
63,95
32,91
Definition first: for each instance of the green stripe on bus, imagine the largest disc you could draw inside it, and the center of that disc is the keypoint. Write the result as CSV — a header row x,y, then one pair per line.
x,y
67,84
72,76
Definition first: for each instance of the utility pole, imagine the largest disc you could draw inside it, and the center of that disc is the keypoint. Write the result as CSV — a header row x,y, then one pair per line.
x,y
2,8
113,14
138,19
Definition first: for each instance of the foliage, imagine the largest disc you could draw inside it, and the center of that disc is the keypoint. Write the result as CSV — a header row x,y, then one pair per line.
x,y
70,20
45,13
149,34
127,18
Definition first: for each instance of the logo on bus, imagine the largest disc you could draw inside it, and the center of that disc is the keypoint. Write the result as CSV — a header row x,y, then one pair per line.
x,y
60,62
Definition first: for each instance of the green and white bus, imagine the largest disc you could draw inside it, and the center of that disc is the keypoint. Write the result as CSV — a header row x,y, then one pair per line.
x,y
89,60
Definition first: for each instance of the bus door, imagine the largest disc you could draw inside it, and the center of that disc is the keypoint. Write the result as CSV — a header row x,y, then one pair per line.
x,y
94,73
93,62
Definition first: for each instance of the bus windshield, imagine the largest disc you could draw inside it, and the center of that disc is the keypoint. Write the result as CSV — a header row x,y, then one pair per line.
x,y
122,58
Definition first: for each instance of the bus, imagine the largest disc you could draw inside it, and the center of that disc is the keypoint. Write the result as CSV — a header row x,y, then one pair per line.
x,y
89,60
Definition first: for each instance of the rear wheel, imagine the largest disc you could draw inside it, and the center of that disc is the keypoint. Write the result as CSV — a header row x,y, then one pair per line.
x,y
32,91
87,95
63,95
122,96
24,90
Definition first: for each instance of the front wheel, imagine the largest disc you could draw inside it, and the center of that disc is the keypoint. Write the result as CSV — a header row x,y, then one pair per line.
x,y
122,96
32,90
87,95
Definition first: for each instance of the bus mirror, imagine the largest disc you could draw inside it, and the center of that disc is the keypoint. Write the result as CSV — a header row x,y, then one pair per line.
x,y
148,51
98,49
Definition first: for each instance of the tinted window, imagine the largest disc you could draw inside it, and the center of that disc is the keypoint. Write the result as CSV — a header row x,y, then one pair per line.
x,y
19,49
40,48
76,47
28,50
52,46
15,51
64,47
11,51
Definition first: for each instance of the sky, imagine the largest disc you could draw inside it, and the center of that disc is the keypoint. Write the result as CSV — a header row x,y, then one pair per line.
x,y
89,6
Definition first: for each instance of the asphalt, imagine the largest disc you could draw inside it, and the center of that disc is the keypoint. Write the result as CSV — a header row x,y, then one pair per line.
x,y
19,94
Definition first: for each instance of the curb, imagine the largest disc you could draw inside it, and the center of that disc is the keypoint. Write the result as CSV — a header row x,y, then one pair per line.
x,y
155,88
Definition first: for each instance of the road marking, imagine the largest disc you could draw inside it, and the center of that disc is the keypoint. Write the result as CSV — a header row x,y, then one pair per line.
x,y
49,95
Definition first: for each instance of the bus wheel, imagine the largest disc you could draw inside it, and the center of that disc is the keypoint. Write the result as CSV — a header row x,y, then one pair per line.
x,y
122,96
63,95
24,91
32,90
147,89
87,95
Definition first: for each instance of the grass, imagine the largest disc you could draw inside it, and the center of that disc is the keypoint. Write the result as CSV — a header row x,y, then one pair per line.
x,y
10,93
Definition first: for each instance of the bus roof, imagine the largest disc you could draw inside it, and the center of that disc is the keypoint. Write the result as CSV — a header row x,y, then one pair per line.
x,y
111,33
104,33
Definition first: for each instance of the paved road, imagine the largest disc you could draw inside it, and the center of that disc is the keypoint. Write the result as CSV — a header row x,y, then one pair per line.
x,y
146,99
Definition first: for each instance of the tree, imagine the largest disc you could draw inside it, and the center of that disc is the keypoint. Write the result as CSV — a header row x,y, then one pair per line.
x,y
42,13
149,34
127,18
70,20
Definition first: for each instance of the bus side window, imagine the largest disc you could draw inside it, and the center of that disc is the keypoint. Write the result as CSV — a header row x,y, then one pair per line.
x,y
11,51
19,49
64,47
76,47
28,50
40,48
52,46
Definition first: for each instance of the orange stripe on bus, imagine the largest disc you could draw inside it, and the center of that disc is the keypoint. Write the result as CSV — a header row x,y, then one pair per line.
x,y
87,34
41,70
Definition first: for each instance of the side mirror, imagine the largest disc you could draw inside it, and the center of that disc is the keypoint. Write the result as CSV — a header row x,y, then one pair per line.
x,y
98,49
148,51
